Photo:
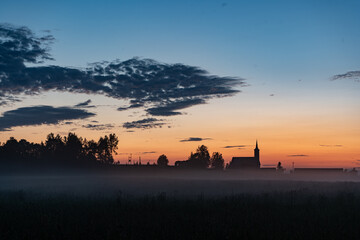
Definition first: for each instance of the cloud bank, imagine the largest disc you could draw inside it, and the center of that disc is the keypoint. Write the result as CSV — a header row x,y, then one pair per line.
x,y
37,115
161,89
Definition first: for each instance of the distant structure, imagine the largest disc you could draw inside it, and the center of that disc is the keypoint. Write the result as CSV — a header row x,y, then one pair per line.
x,y
246,162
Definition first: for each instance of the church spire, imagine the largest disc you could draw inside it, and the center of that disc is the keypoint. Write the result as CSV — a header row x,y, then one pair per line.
x,y
257,153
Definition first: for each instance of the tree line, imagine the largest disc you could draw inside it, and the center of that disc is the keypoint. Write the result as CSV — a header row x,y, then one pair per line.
x,y
72,150
68,150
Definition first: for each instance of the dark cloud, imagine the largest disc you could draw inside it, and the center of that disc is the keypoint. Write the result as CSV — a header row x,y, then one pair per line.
x,y
144,123
236,146
37,115
135,105
168,108
98,127
298,155
85,104
324,145
8,99
159,88
195,139
271,95
354,75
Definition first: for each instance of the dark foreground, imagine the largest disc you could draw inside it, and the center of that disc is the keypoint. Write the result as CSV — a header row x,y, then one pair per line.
x,y
291,215
278,210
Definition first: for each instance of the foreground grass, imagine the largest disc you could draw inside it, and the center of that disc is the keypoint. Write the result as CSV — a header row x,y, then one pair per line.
x,y
287,215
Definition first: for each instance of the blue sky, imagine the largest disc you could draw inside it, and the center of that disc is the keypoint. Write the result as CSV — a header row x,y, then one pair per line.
x,y
290,49
243,38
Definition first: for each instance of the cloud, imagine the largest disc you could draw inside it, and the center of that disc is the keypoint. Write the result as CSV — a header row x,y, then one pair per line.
x,y
37,115
152,152
194,139
298,155
236,146
168,109
84,104
354,75
159,88
98,127
324,145
146,123
135,105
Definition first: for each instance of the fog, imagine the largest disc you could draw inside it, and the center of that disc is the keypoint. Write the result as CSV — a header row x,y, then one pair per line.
x,y
178,183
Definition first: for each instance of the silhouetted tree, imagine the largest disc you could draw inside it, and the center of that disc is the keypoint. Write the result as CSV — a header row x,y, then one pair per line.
x,y
106,147
54,148
279,167
90,148
199,159
217,160
74,148
162,161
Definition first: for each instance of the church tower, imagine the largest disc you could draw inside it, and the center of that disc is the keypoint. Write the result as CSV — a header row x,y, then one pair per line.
x,y
257,153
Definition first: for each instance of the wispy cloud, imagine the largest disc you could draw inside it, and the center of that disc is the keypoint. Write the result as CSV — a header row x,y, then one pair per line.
x,y
37,115
326,145
236,146
146,123
194,139
98,127
85,104
354,75
298,155
144,153
159,88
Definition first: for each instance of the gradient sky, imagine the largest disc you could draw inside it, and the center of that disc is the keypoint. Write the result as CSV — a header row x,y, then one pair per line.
x,y
287,52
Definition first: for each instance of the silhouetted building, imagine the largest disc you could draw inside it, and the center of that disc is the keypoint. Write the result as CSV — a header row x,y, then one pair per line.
x,y
246,162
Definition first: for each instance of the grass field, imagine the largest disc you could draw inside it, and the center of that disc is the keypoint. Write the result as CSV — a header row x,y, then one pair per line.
x,y
277,210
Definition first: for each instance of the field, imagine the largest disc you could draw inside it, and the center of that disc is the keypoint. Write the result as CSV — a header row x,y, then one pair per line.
x,y
170,207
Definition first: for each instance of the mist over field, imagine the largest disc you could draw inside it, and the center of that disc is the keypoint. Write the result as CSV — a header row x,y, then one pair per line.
x,y
179,183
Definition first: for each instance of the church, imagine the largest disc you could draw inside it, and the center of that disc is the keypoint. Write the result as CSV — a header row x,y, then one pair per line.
x,y
246,162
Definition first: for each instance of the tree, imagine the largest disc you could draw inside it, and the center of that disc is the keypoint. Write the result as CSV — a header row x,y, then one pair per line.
x,y
162,161
74,148
200,159
279,167
54,148
217,160
106,147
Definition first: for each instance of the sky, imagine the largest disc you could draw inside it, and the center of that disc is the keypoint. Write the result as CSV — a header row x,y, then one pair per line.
x,y
168,76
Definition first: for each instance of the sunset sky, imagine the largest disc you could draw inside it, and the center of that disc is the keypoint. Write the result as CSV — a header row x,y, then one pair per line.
x,y
168,76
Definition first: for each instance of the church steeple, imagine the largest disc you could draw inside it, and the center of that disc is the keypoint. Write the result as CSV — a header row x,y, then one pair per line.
x,y
257,153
